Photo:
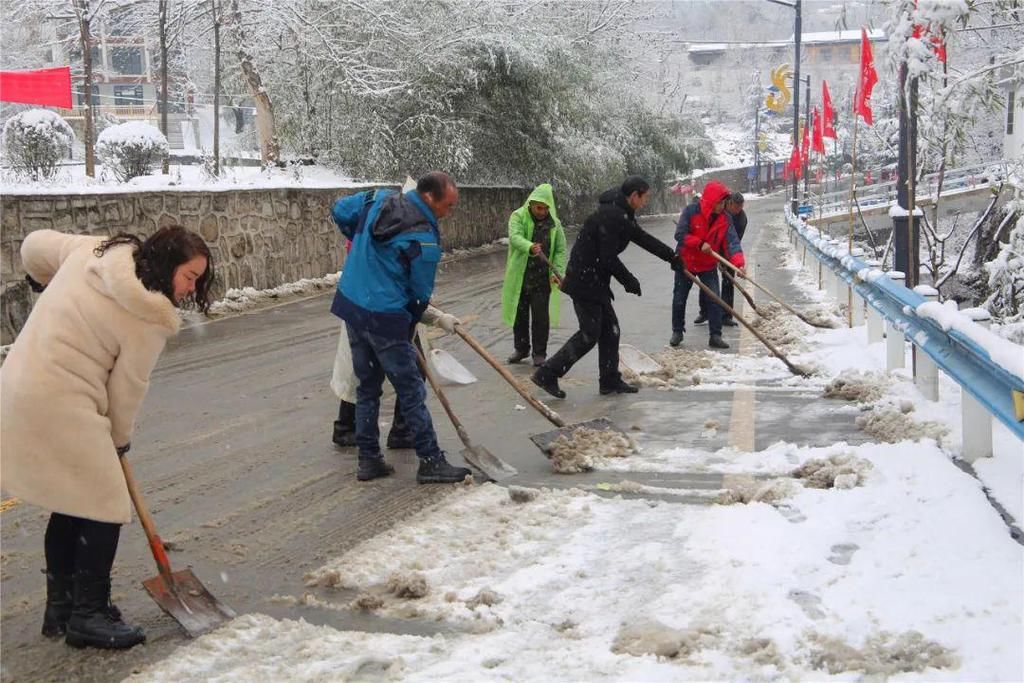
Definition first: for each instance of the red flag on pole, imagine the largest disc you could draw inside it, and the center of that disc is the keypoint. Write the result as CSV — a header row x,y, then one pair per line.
x,y
795,165
818,140
48,87
828,114
805,143
867,80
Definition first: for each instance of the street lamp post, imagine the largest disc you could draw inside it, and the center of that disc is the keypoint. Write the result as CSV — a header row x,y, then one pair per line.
x,y
795,5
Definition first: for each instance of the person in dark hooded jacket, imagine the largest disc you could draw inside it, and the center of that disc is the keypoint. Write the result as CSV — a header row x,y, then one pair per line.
x,y
701,231
593,262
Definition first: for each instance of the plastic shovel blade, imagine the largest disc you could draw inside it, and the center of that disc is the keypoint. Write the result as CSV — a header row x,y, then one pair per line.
x,y
449,369
638,361
493,467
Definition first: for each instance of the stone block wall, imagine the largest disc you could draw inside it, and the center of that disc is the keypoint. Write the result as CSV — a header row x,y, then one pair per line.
x,y
259,238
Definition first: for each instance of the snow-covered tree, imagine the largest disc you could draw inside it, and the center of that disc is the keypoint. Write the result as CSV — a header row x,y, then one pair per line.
x,y
35,143
131,149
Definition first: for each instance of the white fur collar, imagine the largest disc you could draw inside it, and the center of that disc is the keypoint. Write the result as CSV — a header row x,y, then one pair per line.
x,y
114,275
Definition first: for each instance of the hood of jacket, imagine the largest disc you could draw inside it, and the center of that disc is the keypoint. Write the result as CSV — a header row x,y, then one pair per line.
x,y
401,213
113,275
713,193
615,197
544,194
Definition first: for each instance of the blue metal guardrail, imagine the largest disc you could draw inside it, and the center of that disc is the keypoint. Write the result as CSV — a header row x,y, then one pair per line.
x,y
956,354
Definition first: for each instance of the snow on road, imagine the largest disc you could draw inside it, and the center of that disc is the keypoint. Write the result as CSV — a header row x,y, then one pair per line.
x,y
881,558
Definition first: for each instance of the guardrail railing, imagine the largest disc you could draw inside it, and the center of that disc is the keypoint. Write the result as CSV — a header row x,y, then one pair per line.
x,y
988,368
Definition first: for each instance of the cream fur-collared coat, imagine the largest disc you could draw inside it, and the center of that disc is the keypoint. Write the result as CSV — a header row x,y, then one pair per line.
x,y
76,375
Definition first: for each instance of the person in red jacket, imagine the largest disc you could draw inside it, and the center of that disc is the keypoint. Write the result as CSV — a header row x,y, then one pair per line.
x,y
702,230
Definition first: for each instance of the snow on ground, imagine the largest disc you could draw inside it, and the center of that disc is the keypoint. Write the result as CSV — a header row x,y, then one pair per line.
x,y
880,559
734,145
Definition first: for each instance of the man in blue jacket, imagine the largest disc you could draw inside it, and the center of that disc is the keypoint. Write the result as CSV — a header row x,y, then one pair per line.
x,y
384,289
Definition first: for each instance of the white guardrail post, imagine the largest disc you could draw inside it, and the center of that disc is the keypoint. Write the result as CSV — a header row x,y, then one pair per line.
x,y
876,330
895,343
926,372
976,422
855,302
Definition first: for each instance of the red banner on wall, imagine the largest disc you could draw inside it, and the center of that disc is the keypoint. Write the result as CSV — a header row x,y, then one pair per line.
x,y
48,87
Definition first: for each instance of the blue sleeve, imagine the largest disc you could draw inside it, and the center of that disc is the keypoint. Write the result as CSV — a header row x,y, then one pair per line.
x,y
683,225
732,239
346,212
419,253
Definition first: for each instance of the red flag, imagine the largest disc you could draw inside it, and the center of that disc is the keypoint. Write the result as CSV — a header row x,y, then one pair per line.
x,y
795,164
818,141
938,45
867,80
828,114
48,87
805,143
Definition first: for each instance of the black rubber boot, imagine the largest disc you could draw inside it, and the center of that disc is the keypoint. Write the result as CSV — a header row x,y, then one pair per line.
x,y
345,426
538,360
518,356
548,382
676,339
94,622
716,342
618,387
439,471
373,468
700,320
728,321
59,599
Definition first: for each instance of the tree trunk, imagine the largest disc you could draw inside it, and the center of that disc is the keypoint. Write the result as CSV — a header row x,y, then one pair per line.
x,y
82,9
215,5
270,150
162,20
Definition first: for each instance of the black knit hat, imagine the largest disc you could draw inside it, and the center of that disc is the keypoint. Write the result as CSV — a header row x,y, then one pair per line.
x,y
635,183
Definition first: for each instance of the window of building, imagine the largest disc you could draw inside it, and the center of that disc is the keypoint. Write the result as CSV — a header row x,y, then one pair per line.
x,y
126,60
1010,102
127,95
95,96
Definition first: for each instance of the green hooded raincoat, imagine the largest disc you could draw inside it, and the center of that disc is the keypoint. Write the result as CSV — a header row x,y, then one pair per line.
x,y
520,239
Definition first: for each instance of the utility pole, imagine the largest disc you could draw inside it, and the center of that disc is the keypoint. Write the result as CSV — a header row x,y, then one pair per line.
x,y
757,147
905,222
807,123
795,5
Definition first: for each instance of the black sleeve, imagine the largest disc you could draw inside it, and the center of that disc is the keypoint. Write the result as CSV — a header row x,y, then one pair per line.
x,y
650,243
740,222
608,256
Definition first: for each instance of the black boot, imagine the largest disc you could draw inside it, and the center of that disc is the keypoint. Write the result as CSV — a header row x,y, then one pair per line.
x,y
59,599
676,339
400,436
437,470
617,387
518,356
345,426
546,381
93,621
716,342
373,468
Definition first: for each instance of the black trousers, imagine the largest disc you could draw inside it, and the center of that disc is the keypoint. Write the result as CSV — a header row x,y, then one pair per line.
x,y
728,294
76,545
598,325
532,320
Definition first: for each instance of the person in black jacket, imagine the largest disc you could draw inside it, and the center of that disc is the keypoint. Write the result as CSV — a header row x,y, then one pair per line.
x,y
593,262
733,207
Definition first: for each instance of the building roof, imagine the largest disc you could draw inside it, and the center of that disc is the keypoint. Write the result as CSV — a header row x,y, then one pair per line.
x,y
812,38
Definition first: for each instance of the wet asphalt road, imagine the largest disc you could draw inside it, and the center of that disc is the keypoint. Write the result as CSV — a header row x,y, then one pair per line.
x,y
233,451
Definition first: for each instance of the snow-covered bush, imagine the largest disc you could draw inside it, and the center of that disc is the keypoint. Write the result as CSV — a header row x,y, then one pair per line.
x,y
1006,277
131,149
35,142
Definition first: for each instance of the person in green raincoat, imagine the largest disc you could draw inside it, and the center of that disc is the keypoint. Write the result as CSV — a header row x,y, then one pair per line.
x,y
531,289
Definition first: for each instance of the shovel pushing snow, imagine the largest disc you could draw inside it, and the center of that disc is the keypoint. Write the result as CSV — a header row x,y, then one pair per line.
x,y
180,593
543,440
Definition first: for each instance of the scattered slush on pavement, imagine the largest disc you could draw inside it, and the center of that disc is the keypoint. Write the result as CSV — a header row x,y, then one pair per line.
x,y
891,425
583,447
841,471
781,328
883,654
756,491
857,385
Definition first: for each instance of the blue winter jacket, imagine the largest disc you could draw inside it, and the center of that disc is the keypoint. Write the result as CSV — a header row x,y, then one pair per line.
x,y
389,273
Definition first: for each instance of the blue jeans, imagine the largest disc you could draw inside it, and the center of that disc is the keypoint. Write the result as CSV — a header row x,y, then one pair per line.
x,y
680,292
373,358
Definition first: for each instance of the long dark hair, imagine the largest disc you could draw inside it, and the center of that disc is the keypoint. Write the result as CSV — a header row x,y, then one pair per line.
x,y
160,254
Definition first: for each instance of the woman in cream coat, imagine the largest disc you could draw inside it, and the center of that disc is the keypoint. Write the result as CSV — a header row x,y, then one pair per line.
x,y
69,393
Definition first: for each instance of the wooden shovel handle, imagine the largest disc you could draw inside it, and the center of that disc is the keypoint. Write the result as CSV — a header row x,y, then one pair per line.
x,y
726,307
429,374
546,262
155,544
741,290
768,292
551,415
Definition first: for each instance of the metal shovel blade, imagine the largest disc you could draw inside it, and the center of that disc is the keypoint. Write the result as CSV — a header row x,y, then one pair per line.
x,y
601,424
188,602
493,467
638,361
449,369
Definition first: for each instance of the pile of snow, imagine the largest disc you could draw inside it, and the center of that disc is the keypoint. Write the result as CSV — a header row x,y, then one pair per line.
x,y
580,450
35,142
246,298
839,470
131,149
857,385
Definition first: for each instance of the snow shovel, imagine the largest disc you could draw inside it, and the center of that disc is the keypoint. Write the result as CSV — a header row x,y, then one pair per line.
x,y
543,440
795,369
776,297
746,295
479,457
180,593
450,370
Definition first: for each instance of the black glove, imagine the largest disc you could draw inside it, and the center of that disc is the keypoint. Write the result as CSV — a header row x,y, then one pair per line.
x,y
34,285
633,287
121,450
677,265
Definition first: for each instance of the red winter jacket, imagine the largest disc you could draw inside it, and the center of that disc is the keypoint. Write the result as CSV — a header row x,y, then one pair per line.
x,y
697,227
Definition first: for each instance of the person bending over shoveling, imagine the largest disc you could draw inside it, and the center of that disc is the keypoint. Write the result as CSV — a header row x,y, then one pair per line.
x,y
593,262
700,232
